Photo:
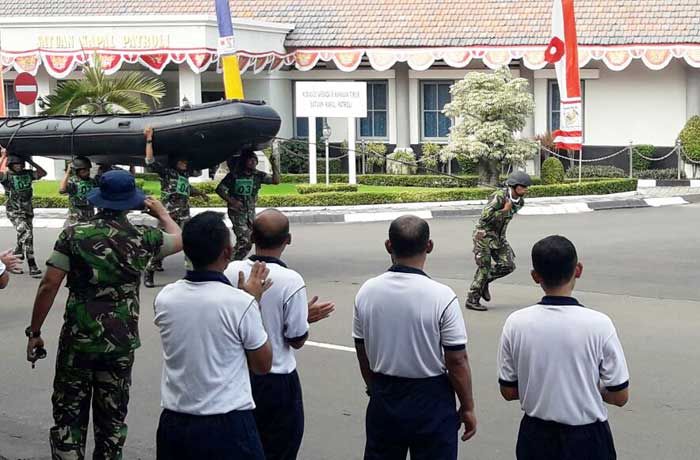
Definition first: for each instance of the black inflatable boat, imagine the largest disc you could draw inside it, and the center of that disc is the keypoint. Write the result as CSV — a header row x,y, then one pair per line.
x,y
206,134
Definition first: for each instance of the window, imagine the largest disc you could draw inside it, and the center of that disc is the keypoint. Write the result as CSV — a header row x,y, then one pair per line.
x,y
11,102
212,96
375,124
436,125
554,104
302,127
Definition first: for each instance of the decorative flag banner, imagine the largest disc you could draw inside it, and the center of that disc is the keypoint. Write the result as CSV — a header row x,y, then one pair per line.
x,y
233,86
563,53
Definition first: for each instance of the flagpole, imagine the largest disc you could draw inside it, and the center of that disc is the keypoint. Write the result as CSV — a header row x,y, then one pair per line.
x,y
233,85
580,164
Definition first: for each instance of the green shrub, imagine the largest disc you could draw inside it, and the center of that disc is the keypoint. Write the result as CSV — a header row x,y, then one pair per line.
x,y
335,166
467,167
305,189
600,187
594,171
207,187
659,174
294,156
139,182
376,155
552,171
639,163
401,161
690,138
304,178
431,155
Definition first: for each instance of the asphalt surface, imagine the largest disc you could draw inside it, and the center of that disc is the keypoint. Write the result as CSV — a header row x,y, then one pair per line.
x,y
640,267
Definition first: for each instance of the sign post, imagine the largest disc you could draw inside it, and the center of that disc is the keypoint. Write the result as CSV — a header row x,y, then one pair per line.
x,y
26,88
331,100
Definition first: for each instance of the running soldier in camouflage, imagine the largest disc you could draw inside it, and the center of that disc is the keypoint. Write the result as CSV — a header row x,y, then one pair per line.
x,y
17,183
175,191
76,186
494,256
103,260
239,189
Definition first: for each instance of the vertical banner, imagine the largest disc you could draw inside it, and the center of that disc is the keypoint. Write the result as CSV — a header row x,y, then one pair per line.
x,y
233,86
2,95
563,53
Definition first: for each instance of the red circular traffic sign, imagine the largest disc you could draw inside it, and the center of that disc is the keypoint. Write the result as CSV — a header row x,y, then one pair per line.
x,y
26,88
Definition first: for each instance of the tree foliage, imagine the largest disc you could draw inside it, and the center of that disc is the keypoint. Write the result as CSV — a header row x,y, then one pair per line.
x,y
489,108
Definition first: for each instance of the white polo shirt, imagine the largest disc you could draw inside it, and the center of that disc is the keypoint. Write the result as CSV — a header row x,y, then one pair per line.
x,y
559,354
2,268
206,325
284,308
405,320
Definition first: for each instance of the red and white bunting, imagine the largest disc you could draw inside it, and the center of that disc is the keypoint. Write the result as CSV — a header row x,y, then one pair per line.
x,y
563,53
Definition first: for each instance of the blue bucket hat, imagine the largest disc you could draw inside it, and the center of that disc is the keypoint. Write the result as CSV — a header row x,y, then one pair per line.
x,y
117,191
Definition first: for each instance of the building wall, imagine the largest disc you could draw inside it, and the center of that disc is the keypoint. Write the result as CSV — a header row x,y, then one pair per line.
x,y
636,105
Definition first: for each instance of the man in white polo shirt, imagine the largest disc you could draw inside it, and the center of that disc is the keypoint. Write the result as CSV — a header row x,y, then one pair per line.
x,y
563,361
411,347
8,261
213,336
279,411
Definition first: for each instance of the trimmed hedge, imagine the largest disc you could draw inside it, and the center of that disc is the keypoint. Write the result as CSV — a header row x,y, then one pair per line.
x,y
207,187
659,174
305,189
601,187
639,163
390,180
147,176
596,171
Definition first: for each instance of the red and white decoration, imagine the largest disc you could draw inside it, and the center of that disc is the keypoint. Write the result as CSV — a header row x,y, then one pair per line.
x,y
59,64
563,53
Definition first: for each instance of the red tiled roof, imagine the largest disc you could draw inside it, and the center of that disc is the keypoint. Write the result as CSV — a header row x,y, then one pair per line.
x,y
418,23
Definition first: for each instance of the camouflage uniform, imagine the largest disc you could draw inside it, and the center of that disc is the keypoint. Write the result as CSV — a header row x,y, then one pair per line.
x,y
175,191
80,210
19,208
494,256
243,188
104,259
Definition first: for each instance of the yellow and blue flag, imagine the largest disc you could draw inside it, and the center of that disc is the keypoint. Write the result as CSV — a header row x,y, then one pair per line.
x,y
233,86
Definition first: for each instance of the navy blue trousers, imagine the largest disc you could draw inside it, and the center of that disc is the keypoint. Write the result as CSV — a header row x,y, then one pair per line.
x,y
411,415
279,414
544,440
213,437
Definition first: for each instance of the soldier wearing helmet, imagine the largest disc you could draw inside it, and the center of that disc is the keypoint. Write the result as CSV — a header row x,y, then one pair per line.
x,y
76,184
494,256
17,182
239,189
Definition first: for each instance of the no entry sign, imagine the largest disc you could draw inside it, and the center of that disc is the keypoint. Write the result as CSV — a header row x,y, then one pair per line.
x,y
26,88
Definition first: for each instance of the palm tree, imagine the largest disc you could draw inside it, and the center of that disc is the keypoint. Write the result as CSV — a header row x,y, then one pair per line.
x,y
98,94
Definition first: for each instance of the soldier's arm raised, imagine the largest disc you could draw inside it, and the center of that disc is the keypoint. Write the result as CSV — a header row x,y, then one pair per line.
x,y
156,209
63,186
40,172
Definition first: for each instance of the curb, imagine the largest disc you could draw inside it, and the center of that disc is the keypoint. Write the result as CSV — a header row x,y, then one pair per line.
x,y
381,213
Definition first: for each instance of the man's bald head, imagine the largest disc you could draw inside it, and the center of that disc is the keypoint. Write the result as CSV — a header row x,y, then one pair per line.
x,y
409,236
270,229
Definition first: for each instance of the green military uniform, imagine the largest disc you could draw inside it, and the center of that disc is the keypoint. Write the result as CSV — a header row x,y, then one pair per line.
x,y
175,191
79,210
19,208
494,256
244,188
104,259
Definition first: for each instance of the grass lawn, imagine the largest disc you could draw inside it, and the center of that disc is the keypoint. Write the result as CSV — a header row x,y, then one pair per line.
x,y
50,188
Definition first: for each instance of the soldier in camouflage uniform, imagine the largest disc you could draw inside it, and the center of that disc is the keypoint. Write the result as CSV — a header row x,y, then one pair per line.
x,y
494,256
239,189
175,191
103,260
17,183
76,186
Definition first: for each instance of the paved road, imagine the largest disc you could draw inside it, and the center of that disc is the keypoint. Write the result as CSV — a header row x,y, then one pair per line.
x,y
640,268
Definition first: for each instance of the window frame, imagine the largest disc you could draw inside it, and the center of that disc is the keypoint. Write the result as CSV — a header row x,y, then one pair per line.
x,y
358,129
319,132
423,83
10,112
551,82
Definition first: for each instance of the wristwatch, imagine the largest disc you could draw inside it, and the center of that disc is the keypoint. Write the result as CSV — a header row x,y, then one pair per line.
x,y
31,334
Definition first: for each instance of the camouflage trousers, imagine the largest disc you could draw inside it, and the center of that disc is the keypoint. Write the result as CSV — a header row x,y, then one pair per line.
x,y
76,215
102,379
242,225
494,259
180,219
23,223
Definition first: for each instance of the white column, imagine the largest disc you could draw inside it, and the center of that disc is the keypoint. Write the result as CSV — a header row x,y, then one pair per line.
x,y
190,87
403,123
45,85
352,165
312,150
692,95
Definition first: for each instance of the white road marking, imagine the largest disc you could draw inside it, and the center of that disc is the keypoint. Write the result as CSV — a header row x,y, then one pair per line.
x,y
330,346
656,202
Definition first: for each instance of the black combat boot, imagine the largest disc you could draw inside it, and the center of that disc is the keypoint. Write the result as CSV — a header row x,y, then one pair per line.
x,y
485,293
472,303
34,271
148,279
18,252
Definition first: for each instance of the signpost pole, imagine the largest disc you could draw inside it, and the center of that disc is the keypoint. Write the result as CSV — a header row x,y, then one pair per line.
x,y
312,151
352,162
